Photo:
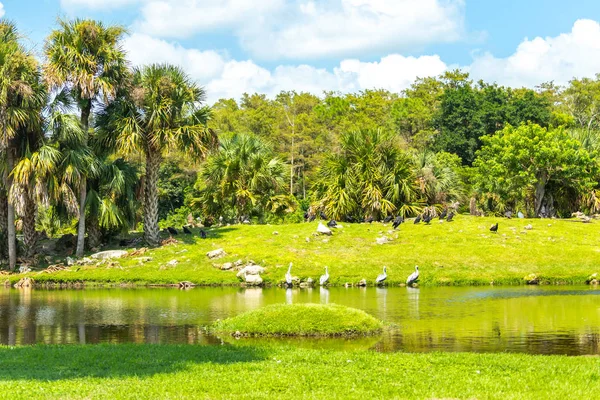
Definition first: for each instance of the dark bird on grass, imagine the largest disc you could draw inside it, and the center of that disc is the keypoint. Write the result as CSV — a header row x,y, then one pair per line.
x,y
306,215
397,222
494,228
349,218
427,218
381,277
418,219
322,215
450,216
414,277
202,234
312,217
324,278
332,223
388,218
186,230
172,230
288,276
370,220
443,214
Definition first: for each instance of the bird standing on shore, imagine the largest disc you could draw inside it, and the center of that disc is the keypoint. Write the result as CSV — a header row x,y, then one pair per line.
x,y
381,277
288,276
324,278
494,228
414,277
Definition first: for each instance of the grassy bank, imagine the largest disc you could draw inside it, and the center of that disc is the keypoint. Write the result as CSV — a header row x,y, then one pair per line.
x,y
463,252
160,371
300,320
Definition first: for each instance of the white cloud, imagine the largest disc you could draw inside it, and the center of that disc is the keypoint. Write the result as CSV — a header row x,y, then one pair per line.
x,y
96,4
300,29
559,59
2,12
225,78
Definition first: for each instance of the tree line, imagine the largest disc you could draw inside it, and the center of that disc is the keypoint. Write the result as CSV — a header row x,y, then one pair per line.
x,y
95,147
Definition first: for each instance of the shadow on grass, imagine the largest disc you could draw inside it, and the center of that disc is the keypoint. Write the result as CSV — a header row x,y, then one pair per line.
x,y
50,363
195,238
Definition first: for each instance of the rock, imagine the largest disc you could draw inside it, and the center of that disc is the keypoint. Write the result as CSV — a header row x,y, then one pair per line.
x,y
529,227
250,270
592,279
173,263
275,233
310,281
226,266
253,280
347,285
214,254
105,255
303,285
362,283
383,240
25,282
70,261
307,240
532,279
144,260
7,283
24,269
238,263
325,240
323,230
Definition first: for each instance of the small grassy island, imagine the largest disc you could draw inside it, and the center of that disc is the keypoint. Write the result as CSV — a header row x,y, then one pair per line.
x,y
300,320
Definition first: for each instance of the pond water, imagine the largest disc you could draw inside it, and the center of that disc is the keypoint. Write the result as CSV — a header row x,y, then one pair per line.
x,y
536,320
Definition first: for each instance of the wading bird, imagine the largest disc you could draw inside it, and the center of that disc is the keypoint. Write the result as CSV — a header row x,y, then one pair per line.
x,y
381,277
288,276
324,278
414,277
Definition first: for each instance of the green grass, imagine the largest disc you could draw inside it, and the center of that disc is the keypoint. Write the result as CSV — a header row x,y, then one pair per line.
x,y
462,252
233,372
300,320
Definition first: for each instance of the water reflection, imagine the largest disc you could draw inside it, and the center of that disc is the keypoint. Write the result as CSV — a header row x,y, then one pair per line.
x,y
540,320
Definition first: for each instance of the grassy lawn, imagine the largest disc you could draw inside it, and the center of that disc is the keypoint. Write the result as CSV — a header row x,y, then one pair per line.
x,y
463,252
161,371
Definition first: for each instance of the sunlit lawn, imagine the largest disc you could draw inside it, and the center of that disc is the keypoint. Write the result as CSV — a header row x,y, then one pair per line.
x,y
462,252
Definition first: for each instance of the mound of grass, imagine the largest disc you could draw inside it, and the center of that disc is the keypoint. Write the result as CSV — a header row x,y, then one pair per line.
x,y
301,320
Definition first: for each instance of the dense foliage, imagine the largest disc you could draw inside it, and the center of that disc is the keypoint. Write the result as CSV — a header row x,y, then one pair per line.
x,y
94,147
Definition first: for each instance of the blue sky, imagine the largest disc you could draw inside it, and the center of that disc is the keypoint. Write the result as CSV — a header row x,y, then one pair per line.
x,y
236,46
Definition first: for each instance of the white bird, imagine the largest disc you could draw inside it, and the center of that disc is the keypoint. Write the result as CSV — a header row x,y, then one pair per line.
x,y
324,278
412,278
288,276
381,277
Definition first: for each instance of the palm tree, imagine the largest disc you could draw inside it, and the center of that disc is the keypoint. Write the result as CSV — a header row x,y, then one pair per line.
x,y
243,175
86,56
437,177
19,108
161,113
369,176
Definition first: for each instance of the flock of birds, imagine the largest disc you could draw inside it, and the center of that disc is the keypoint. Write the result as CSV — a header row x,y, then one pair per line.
x,y
173,232
412,278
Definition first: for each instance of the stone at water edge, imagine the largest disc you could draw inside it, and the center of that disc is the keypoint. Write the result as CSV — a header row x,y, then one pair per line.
x,y
24,269
250,270
323,230
218,253
254,280
25,282
104,255
362,283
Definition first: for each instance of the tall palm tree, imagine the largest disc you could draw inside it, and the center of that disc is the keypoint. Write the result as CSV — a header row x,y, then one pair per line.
x,y
244,174
19,76
162,112
87,57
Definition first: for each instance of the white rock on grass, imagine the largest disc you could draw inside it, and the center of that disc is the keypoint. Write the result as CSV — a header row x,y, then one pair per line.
x,y
250,270
218,253
323,230
383,240
104,255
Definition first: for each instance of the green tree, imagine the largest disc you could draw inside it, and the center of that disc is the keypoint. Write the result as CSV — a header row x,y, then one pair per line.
x,y
162,113
533,165
244,175
368,176
85,56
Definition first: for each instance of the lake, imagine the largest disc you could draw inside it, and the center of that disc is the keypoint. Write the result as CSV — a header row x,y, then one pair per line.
x,y
529,319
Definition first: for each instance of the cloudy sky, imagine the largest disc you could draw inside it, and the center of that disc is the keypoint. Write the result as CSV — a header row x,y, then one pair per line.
x,y
237,46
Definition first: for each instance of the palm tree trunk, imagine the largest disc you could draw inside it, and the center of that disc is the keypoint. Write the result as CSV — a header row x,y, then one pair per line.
x,y
11,229
94,233
29,233
3,224
151,231
85,124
